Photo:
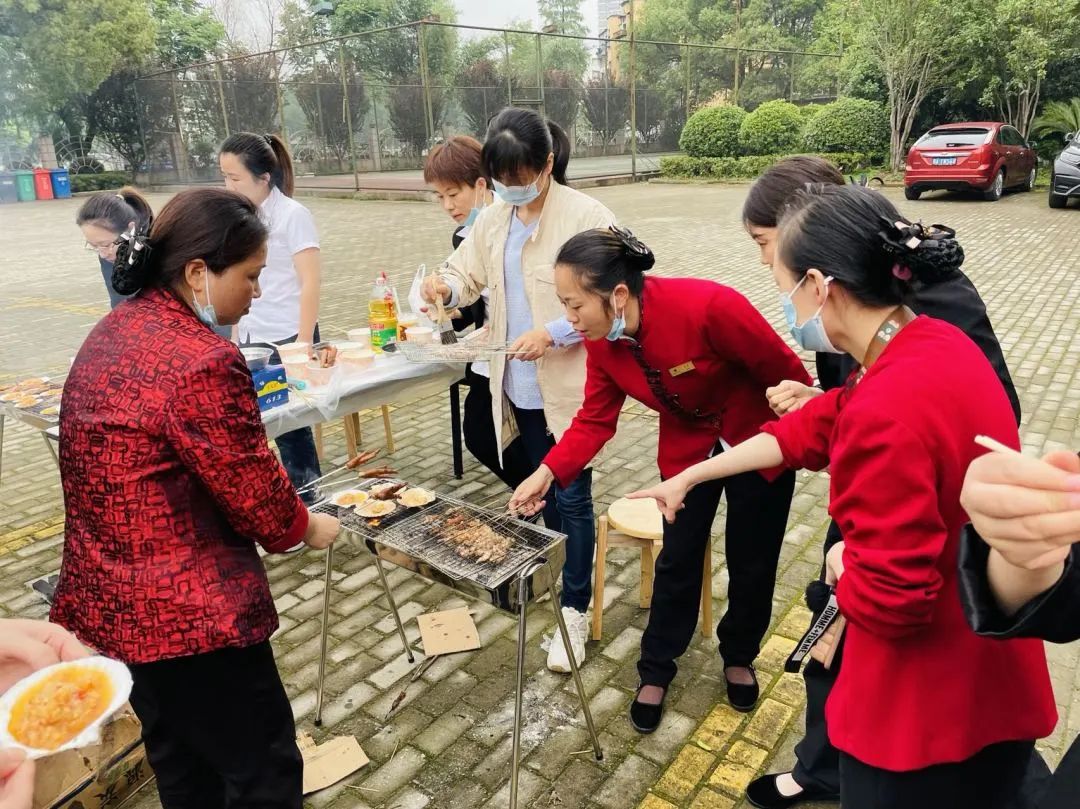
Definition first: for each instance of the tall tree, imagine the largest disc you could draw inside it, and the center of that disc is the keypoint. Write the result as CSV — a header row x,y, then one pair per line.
x,y
65,49
916,47
1012,44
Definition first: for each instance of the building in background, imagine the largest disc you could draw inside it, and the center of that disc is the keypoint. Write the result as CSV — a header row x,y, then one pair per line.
x,y
615,30
604,9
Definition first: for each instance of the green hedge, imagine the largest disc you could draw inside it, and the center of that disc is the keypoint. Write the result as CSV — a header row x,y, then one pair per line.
x,y
773,128
848,125
712,132
102,181
719,168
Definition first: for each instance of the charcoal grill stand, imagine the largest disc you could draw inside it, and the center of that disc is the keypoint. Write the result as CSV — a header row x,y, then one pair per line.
x,y
522,581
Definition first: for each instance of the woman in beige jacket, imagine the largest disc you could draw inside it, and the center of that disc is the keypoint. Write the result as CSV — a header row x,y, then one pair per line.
x,y
511,250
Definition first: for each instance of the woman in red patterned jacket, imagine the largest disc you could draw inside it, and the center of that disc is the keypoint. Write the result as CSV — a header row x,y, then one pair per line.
x,y
925,713
170,487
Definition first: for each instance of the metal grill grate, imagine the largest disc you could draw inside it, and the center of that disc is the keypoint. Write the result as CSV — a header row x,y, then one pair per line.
x,y
422,534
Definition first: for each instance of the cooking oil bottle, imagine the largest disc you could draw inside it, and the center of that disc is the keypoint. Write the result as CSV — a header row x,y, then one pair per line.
x,y
382,314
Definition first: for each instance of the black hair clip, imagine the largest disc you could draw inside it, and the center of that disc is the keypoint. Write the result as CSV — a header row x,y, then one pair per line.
x,y
138,245
632,243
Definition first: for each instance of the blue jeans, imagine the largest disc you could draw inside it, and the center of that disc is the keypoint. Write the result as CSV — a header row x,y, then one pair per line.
x,y
297,448
571,512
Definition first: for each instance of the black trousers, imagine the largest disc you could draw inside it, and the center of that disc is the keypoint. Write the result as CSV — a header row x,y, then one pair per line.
x,y
482,439
991,779
219,731
817,762
757,513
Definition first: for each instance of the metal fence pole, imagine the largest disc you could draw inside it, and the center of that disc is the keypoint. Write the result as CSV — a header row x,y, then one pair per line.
x,y
425,81
791,91
280,102
142,133
179,128
540,73
221,98
346,110
633,97
686,80
506,69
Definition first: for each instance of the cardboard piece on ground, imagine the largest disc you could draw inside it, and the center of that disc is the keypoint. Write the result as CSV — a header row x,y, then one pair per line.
x,y
328,763
98,776
448,632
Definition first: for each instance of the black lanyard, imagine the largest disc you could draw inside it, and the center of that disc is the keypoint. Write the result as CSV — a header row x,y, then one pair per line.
x,y
655,380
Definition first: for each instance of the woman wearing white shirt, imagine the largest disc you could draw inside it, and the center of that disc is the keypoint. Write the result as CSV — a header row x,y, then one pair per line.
x,y
259,167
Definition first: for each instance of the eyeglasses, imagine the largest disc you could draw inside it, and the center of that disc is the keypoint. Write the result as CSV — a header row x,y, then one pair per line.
x,y
98,248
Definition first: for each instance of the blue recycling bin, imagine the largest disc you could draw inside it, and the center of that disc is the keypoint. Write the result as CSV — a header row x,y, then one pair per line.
x,y
61,183
9,192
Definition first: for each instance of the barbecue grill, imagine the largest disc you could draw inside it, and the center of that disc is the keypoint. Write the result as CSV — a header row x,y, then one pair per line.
x,y
414,539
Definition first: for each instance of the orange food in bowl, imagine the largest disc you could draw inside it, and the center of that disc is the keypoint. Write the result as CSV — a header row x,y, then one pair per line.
x,y
57,709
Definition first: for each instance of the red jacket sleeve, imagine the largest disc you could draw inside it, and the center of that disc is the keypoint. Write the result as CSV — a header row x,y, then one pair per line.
x,y
805,436
215,428
736,329
885,501
592,427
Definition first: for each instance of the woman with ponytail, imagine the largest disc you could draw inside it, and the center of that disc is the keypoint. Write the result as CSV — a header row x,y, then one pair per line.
x,y
260,168
169,490
700,355
917,712
511,251
102,218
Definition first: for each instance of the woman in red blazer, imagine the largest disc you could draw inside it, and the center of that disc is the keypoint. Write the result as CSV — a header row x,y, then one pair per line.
x,y
918,711
699,354
169,488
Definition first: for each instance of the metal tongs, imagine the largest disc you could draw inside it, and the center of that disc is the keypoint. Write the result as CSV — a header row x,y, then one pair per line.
x,y
349,466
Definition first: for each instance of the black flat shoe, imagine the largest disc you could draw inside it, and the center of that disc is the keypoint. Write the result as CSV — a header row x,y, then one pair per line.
x,y
762,793
743,697
644,717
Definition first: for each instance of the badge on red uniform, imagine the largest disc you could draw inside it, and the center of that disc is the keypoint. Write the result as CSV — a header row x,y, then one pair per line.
x,y
679,370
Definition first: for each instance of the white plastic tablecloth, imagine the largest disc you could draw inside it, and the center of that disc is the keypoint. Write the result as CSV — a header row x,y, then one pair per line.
x,y
393,380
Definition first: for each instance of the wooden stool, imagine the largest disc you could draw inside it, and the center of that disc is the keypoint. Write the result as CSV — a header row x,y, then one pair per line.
x,y
639,524
353,438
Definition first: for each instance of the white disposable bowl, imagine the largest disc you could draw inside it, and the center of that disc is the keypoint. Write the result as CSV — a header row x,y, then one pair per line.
x,y
420,334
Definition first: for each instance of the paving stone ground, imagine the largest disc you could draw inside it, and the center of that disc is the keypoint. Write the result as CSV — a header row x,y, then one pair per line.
x,y
448,744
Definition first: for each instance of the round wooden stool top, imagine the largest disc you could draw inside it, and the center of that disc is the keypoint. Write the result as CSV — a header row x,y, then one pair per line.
x,y
637,518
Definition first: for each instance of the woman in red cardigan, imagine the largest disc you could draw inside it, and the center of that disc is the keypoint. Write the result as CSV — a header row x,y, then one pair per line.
x,y
699,354
170,487
925,713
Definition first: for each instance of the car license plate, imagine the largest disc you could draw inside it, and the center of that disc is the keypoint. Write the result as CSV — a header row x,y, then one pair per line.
x,y
944,161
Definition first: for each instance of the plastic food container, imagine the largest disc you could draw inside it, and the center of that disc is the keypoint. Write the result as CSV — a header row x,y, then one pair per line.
x,y
357,359
317,375
295,350
420,334
361,336
296,369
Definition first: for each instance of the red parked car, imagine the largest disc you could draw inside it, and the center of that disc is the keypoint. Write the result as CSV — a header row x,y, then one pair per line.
x,y
984,157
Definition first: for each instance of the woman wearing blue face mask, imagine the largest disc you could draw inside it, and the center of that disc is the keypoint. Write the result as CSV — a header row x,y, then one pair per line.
x,y
511,251
454,171
705,371
916,712
170,488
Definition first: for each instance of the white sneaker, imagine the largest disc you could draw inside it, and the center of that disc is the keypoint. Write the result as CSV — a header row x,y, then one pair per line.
x,y
577,626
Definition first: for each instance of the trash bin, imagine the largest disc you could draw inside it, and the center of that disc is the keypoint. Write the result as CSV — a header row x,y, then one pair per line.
x,y
61,183
43,184
9,192
24,183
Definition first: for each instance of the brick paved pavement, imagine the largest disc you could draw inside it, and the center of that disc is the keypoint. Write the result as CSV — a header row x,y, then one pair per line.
x,y
448,745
